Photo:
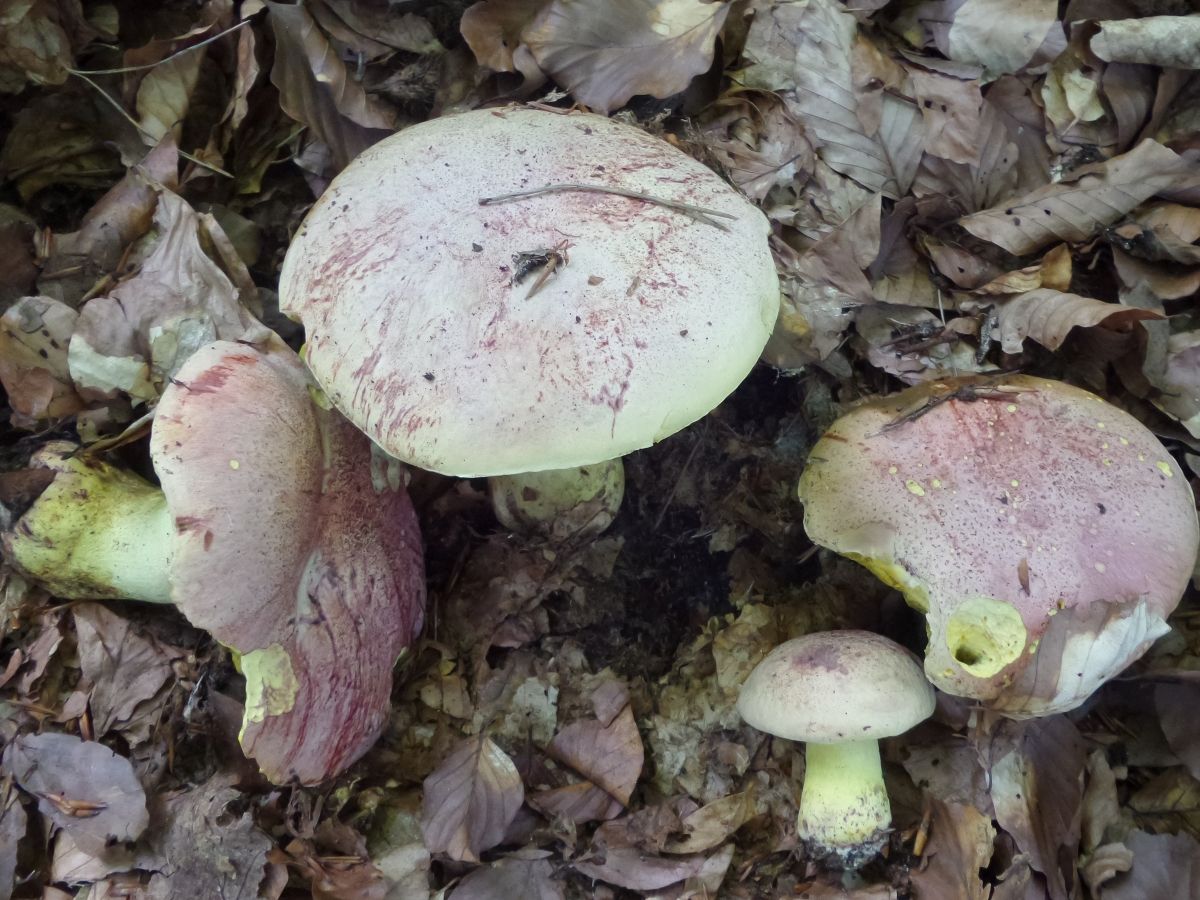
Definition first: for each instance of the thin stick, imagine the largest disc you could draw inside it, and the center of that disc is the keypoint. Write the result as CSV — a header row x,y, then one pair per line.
x,y
699,213
165,59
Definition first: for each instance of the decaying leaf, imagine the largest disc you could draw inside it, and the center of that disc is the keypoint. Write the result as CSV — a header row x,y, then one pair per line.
x,y
606,54
12,829
960,845
522,876
1179,390
1048,316
82,786
34,335
1169,41
1001,35
1165,866
713,823
1095,196
609,756
470,800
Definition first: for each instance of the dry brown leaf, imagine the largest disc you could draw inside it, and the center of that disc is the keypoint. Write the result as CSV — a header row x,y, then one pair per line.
x,y
524,876
165,93
635,870
470,800
960,844
1129,90
578,803
315,88
1024,120
1100,808
978,184
610,757
1165,867
137,337
606,54
1179,395
1053,271
1047,316
952,109
124,668
34,335
385,25
1037,785
82,786
12,829
33,44
806,51
713,823
1172,42
492,29
1095,196
758,142
1001,35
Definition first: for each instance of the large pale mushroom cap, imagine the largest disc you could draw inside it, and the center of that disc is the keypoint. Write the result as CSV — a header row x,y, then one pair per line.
x,y
1045,534
836,686
416,331
290,549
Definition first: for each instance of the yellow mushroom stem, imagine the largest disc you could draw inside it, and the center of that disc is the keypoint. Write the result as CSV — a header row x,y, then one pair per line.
x,y
844,808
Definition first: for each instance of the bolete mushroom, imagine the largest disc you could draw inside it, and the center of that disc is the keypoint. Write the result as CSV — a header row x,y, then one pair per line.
x,y
515,290
839,692
1045,534
274,530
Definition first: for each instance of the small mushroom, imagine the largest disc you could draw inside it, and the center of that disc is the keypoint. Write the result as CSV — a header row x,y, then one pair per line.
x,y
561,503
839,692
554,330
275,530
1045,534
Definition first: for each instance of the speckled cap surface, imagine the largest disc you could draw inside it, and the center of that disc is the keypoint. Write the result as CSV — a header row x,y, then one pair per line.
x,y
836,686
1045,534
420,334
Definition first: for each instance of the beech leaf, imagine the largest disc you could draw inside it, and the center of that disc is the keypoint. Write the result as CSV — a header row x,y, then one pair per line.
x,y
611,757
34,334
606,53
1074,210
470,799
511,878
492,29
1047,316
1001,35
1169,41
82,786
1163,865
960,844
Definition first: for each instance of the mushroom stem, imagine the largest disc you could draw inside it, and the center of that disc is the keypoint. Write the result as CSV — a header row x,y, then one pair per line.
x,y
95,532
844,805
562,503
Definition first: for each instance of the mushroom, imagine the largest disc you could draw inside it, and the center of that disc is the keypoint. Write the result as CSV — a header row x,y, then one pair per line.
x,y
618,295
274,530
562,503
839,692
1045,534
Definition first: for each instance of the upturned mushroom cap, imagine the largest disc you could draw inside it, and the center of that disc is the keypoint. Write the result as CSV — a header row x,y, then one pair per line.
x,y
1045,534
833,687
419,332
291,548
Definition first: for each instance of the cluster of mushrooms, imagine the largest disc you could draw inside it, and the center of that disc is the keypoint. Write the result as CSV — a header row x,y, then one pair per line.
x,y
589,292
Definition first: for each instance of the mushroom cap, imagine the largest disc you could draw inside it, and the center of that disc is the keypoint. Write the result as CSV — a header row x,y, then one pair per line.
x,y
291,548
419,332
836,686
1045,534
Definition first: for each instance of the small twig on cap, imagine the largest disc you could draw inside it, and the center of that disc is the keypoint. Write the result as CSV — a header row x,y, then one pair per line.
x,y
699,213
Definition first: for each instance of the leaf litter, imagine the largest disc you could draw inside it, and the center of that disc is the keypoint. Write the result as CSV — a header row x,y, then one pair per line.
x,y
964,187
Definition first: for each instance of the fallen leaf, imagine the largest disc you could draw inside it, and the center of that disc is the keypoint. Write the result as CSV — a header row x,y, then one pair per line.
x,y
1165,867
713,823
492,29
13,822
1048,316
399,30
123,667
960,845
33,43
1073,210
34,335
605,55
635,870
1172,42
1179,388
610,757
529,877
951,109
1037,785
82,786
470,800
977,184
316,90
164,94
1001,35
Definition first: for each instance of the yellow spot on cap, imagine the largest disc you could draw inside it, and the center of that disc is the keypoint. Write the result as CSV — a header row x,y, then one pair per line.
x,y
1107,461
1015,483
915,488
1141,457
892,470
234,464
1012,407
937,482
1100,568
1104,446
1101,425
1165,468
1124,442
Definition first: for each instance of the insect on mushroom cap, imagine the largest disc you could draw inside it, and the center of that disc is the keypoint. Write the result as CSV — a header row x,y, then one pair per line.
x,y
636,318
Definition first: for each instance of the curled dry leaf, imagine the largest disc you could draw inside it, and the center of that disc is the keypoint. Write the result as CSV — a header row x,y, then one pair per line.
x,y
1169,41
1047,316
12,829
135,339
382,24
1075,209
33,44
960,844
636,870
609,756
492,29
1163,864
82,786
316,90
713,823
1037,785
1179,388
605,54
470,800
951,108
34,334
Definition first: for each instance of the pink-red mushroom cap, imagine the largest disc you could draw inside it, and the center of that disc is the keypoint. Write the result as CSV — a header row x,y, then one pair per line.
x,y
1045,534
293,546
422,330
